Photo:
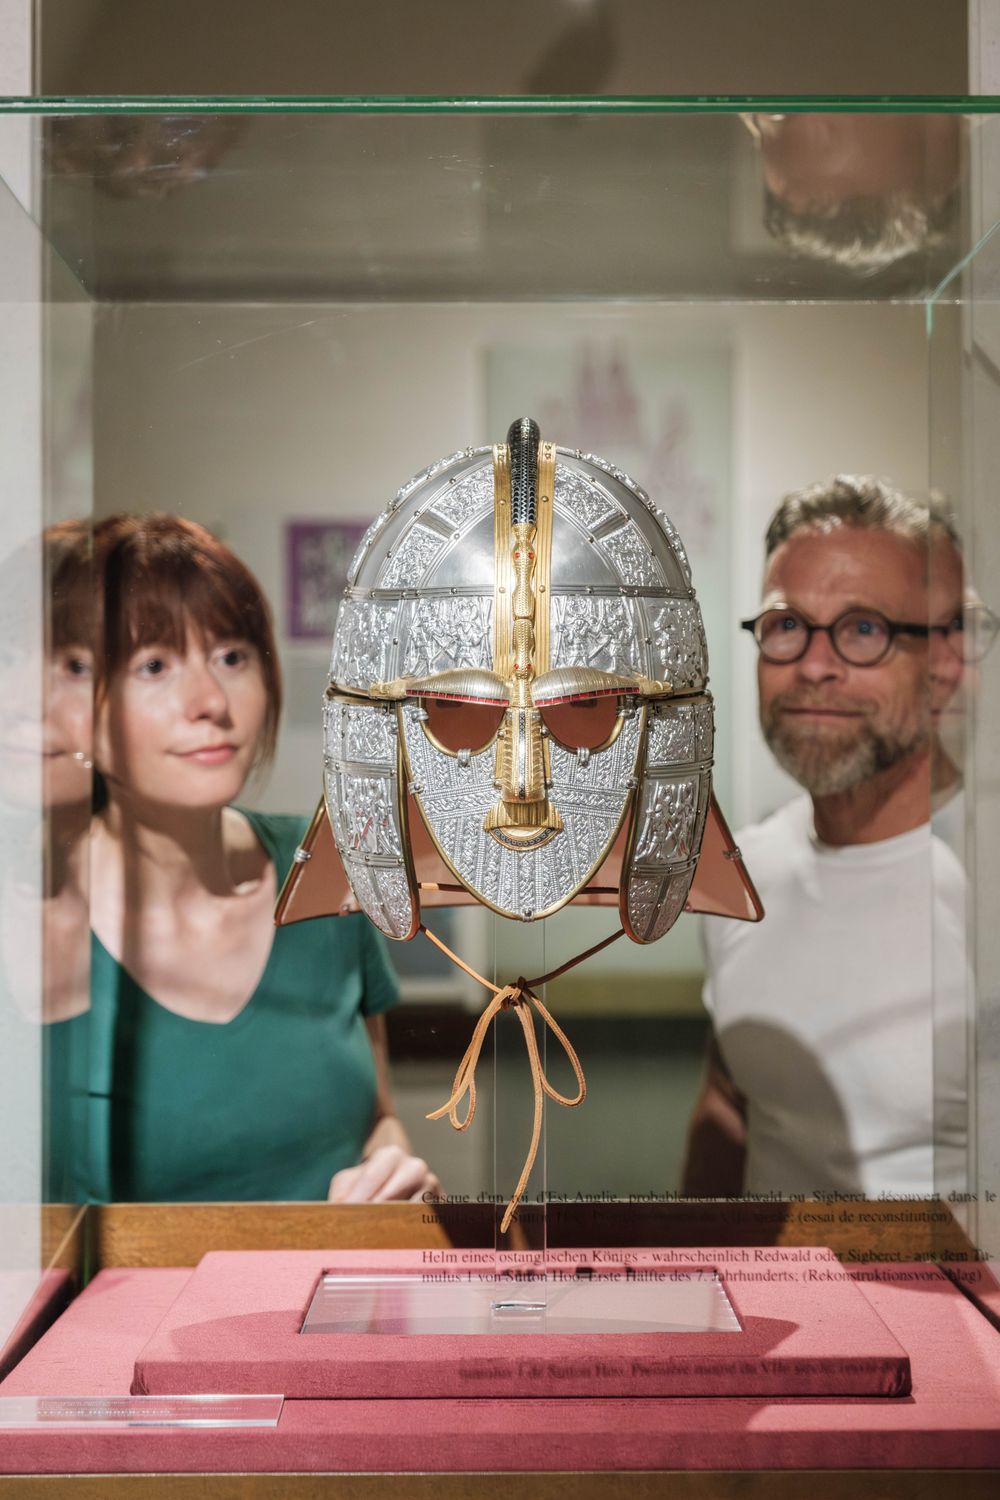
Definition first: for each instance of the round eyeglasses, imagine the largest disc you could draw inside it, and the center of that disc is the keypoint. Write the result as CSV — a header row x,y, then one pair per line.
x,y
971,632
861,637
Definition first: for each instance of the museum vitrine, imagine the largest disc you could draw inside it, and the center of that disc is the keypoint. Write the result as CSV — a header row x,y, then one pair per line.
x,y
267,317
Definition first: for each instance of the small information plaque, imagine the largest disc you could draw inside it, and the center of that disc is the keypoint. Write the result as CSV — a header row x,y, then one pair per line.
x,y
140,1411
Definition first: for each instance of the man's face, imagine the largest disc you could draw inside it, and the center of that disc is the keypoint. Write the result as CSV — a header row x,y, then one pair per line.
x,y
832,725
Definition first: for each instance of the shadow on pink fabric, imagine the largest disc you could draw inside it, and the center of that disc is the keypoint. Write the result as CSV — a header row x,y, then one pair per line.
x,y
47,1301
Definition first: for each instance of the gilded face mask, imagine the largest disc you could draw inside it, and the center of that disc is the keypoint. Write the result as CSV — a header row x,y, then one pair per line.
x,y
517,710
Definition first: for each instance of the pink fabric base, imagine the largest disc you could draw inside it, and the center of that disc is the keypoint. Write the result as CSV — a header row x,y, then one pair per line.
x,y
952,1419
979,1282
53,1292
806,1331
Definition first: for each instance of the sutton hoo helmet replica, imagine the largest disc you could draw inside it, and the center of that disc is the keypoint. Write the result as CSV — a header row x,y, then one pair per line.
x,y
517,714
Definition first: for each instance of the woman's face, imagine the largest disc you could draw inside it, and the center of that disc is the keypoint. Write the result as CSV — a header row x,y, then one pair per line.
x,y
68,727
47,729
182,728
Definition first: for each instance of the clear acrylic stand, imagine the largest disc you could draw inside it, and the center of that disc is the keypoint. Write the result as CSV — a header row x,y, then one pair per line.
x,y
525,1285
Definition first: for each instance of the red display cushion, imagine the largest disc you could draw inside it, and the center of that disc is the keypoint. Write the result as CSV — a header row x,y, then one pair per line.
x,y
951,1420
51,1294
806,1330
90,1350
979,1282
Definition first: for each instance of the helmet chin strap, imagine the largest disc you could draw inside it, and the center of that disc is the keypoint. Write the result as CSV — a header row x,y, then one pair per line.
x,y
519,997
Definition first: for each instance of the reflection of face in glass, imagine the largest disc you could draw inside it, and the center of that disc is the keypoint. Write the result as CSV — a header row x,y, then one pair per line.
x,y
183,727
47,684
66,732
860,190
963,632
949,677
138,156
22,734
831,158
829,723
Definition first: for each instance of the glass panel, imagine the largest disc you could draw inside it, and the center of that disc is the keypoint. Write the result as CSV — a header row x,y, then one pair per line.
x,y
691,206
45,752
20,767
72,1113
297,306
964,320
514,104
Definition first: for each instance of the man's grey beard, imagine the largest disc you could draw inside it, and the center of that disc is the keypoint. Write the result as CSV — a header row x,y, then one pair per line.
x,y
826,769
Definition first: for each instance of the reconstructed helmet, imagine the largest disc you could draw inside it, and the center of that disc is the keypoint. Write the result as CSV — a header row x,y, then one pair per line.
x,y
517,707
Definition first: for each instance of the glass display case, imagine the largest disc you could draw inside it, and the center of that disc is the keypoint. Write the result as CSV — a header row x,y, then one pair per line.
x,y
266,316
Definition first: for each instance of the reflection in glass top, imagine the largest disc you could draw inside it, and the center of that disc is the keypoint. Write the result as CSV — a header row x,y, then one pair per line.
x,y
527,200
669,1299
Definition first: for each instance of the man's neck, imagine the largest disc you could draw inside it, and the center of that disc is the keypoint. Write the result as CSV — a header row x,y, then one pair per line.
x,y
889,803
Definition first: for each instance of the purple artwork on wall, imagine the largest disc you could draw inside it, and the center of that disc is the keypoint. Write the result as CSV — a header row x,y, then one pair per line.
x,y
317,557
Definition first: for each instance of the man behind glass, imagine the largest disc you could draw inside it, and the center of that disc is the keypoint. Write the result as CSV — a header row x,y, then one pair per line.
x,y
836,1061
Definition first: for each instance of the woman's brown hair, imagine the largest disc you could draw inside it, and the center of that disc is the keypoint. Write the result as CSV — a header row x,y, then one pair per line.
x,y
159,577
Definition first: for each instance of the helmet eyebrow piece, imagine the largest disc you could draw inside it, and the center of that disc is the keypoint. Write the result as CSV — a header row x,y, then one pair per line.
x,y
463,685
569,684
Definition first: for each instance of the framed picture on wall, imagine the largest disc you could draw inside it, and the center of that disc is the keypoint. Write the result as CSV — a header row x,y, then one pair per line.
x,y
318,554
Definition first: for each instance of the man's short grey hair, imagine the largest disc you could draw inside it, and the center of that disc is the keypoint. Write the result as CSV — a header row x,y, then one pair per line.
x,y
862,501
864,234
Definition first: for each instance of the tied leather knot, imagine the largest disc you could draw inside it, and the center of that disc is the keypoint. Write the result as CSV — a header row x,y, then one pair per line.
x,y
520,998
465,1078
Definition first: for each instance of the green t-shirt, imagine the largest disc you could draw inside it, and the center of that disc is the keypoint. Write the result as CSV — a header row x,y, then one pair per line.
x,y
268,1105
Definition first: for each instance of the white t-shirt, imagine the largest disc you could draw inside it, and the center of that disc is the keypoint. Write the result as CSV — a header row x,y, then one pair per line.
x,y
841,1016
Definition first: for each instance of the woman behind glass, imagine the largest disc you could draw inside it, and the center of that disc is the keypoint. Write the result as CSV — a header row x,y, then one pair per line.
x,y
243,1061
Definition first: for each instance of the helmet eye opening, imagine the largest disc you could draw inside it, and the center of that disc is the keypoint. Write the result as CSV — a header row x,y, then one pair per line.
x,y
590,721
456,724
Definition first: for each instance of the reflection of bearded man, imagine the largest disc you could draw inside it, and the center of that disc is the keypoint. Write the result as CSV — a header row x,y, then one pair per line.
x,y
842,756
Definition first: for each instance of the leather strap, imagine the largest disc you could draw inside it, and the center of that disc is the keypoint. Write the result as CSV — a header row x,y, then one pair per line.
x,y
519,997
